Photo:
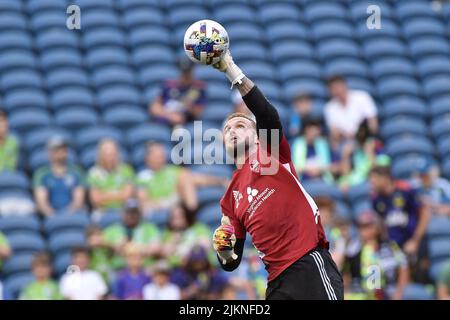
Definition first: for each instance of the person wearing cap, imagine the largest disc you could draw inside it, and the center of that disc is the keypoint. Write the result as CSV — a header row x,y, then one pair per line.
x,y
132,228
161,288
58,186
434,190
374,267
311,153
9,146
181,100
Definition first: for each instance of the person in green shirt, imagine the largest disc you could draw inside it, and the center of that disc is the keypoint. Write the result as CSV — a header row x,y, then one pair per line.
x,y
43,287
162,185
181,235
101,252
9,146
443,282
110,180
132,229
5,249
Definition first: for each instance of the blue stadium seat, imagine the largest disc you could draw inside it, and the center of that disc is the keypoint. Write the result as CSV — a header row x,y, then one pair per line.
x,y
156,35
147,18
394,66
271,89
439,226
66,222
443,146
210,215
337,49
384,47
446,167
361,83
358,192
404,105
439,248
65,241
207,195
14,284
155,75
216,92
277,12
397,86
104,56
218,170
288,30
118,95
124,117
152,55
286,50
20,79
249,52
72,97
206,73
409,9
39,158
245,32
399,147
185,15
47,20
217,112
34,6
148,132
358,10
315,88
437,85
51,59
104,37
403,125
26,242
15,40
61,262
92,135
63,39
159,218
320,11
317,188
25,99
99,18
440,106
126,5
406,166
413,28
440,126
173,4
14,224
435,65
415,291
24,121
38,139
64,77
10,6
360,207
109,218
389,29
332,29
258,70
429,46
300,69
227,14
12,21
75,119
347,67
11,59
17,263
94,4
113,75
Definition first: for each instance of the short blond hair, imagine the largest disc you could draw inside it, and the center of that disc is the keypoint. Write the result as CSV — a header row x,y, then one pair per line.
x,y
240,115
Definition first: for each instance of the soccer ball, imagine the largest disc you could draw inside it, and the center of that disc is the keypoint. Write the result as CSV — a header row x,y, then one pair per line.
x,y
205,42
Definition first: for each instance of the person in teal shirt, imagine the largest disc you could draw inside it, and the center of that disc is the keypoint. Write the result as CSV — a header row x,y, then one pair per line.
x,y
43,287
9,146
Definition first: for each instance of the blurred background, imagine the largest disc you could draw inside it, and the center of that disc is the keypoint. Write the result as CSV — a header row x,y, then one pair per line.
x,y
91,206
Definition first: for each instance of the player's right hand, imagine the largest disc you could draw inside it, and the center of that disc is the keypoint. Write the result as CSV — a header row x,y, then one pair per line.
x,y
224,240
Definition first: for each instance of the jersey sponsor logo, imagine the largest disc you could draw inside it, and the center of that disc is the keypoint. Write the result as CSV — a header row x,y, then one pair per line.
x,y
237,197
255,166
251,193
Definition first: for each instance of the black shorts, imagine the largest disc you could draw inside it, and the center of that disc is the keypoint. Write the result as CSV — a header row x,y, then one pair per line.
x,y
314,276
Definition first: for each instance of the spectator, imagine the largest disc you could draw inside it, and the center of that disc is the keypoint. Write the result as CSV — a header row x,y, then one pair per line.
x,y
59,186
229,292
434,191
82,283
443,282
101,252
43,287
132,229
198,279
162,185
311,153
375,266
406,219
130,282
9,146
347,109
301,109
5,249
181,235
161,288
359,156
336,229
110,180
180,101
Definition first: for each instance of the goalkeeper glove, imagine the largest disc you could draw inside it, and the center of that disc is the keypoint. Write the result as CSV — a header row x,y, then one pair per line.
x,y
232,71
224,240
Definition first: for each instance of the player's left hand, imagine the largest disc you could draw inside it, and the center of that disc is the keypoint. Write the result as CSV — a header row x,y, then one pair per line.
x,y
224,240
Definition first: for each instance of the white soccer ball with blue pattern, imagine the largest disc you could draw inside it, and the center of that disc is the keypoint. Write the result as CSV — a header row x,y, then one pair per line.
x,y
205,42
